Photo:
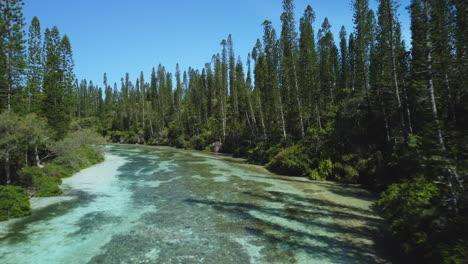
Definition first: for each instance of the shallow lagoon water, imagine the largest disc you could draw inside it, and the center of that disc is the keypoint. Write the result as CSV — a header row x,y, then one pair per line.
x,y
162,205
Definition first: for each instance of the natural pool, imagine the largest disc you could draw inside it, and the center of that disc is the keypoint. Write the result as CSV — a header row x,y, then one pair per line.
x,y
162,205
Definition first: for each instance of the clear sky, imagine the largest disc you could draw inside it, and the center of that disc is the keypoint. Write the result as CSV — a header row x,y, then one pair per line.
x,y
119,36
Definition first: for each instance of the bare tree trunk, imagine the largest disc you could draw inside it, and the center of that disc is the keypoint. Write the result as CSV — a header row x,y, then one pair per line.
x,y
151,126
382,106
408,112
298,100
283,124
450,174
262,120
252,113
394,70
7,168
430,86
251,126
38,160
223,114
450,104
367,84
319,121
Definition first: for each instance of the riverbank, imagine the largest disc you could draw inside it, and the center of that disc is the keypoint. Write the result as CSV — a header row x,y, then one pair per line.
x,y
78,180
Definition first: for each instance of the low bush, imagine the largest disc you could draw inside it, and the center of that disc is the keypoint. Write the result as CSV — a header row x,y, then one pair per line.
x,y
292,161
196,142
45,181
27,174
345,173
57,171
262,153
14,202
80,158
47,186
408,208
179,142
242,149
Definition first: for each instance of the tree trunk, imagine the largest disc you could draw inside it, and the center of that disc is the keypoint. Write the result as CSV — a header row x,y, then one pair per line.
x,y
394,71
252,113
384,112
450,103
223,114
38,160
283,124
7,168
262,120
450,174
298,100
408,112
319,121
430,84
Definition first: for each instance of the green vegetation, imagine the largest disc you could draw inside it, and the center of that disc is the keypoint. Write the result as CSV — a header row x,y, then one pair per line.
x,y
367,111
291,161
74,154
14,202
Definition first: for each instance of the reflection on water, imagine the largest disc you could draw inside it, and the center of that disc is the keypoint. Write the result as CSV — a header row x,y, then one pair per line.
x,y
161,205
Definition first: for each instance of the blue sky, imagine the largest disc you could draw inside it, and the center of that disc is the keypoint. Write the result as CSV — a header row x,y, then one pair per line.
x,y
119,36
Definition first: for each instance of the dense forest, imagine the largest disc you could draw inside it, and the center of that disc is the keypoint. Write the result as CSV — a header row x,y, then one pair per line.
x,y
367,108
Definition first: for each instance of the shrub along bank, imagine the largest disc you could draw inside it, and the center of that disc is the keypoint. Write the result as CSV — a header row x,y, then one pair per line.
x,y
77,151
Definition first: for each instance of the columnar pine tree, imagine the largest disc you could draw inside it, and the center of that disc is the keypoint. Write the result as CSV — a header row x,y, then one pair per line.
x,y
35,67
12,49
289,70
363,39
308,67
55,105
344,65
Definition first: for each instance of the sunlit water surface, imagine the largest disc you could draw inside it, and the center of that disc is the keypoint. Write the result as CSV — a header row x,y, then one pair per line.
x,y
162,205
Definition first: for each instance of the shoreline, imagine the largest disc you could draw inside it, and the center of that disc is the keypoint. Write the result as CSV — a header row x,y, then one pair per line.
x,y
38,203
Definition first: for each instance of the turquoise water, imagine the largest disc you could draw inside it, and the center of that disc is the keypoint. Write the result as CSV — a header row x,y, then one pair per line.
x,y
162,205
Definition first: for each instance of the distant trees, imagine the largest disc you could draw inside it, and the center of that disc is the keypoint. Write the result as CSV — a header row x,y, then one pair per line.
x,y
361,108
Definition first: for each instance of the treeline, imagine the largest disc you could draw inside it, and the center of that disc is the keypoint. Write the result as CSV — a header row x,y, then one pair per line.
x,y
39,143
361,109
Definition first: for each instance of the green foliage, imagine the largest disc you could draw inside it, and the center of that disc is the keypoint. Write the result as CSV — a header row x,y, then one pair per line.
x,y
74,154
453,254
19,135
76,140
292,161
27,175
46,186
326,168
197,143
54,170
242,149
408,206
345,173
262,153
78,159
315,175
14,202
371,113
180,142
324,171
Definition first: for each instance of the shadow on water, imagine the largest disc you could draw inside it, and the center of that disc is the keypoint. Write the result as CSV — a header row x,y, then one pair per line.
x,y
346,191
341,243
16,233
93,222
